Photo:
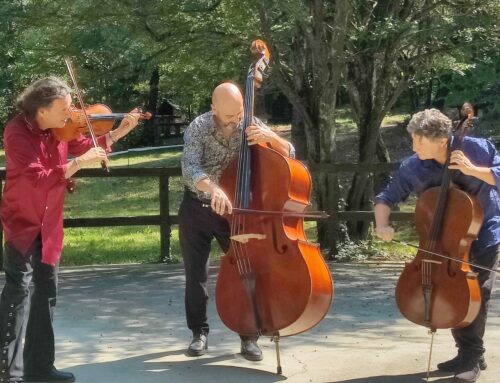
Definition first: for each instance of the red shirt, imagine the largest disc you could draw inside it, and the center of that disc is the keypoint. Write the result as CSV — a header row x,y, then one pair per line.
x,y
33,196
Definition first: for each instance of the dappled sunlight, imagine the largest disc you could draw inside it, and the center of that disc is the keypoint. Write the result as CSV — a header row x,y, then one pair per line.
x,y
126,323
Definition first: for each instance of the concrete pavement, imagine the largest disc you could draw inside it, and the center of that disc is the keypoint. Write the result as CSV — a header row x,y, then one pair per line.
x,y
126,324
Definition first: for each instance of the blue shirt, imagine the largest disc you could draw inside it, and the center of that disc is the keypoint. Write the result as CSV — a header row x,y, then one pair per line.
x,y
415,175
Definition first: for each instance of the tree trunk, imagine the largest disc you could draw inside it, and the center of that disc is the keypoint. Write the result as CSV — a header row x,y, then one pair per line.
x,y
364,75
299,136
310,80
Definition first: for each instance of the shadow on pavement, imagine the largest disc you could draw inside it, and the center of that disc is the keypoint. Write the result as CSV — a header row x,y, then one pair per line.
x,y
435,377
172,366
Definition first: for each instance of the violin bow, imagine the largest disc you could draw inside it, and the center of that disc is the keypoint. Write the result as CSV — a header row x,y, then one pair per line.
x,y
69,65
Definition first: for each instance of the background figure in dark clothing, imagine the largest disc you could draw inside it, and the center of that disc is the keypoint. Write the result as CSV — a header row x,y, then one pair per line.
x,y
211,142
32,217
477,166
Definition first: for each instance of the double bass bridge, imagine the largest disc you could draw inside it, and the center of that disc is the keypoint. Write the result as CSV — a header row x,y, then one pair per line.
x,y
244,238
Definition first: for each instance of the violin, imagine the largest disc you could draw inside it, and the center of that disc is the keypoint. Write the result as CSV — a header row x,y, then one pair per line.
x,y
100,116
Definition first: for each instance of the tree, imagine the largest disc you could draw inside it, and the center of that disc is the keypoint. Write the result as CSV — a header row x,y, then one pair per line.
x,y
307,42
391,44
124,49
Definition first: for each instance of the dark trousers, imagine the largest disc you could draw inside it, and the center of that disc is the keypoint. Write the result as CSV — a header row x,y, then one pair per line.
x,y
25,314
469,340
198,225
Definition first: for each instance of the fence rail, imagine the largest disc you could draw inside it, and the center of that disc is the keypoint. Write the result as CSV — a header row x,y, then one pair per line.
x,y
165,220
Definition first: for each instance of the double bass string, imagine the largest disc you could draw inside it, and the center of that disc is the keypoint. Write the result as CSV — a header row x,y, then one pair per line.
x,y
237,202
243,185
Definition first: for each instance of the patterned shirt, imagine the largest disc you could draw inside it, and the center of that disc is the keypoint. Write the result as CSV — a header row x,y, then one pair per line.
x,y
415,175
207,152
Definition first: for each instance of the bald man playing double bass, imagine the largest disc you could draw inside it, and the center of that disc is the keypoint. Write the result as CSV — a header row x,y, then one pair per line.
x,y
211,142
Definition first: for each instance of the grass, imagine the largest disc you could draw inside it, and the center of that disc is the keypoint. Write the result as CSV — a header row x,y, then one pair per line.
x,y
111,197
394,118
346,124
108,197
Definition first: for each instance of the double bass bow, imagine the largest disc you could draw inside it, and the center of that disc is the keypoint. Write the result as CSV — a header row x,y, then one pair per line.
x,y
272,280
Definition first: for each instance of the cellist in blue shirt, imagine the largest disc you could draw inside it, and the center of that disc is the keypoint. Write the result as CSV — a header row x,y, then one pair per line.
x,y
478,173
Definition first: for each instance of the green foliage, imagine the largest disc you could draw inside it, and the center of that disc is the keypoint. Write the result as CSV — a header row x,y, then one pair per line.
x,y
480,84
116,45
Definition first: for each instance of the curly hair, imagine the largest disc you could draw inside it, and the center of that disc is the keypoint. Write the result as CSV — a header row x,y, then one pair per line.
x,y
430,123
41,94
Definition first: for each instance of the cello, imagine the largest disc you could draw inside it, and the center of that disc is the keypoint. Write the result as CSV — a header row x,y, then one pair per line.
x,y
272,280
438,288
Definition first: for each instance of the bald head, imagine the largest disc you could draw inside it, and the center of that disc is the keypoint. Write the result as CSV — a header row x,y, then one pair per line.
x,y
227,104
226,93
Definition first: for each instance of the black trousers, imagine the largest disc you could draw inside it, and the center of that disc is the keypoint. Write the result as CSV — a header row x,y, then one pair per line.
x,y
198,225
469,340
25,314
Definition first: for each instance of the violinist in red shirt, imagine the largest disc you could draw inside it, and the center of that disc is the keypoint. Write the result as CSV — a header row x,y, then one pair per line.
x,y
32,217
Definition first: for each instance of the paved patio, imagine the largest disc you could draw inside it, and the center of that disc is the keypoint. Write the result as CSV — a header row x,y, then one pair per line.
x,y
126,324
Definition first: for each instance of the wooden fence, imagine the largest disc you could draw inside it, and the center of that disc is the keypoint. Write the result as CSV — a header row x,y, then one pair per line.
x,y
165,220
166,127
342,215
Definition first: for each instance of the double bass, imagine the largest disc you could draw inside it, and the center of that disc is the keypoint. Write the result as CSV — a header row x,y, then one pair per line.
x,y
272,280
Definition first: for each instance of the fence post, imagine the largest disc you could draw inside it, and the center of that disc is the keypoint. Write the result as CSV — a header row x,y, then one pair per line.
x,y
164,220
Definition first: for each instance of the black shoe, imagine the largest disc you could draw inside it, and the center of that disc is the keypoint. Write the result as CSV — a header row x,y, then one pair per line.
x,y
198,345
53,376
468,374
482,363
456,364
250,350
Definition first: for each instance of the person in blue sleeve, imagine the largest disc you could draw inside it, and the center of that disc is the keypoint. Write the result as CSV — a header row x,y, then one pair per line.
x,y
478,173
